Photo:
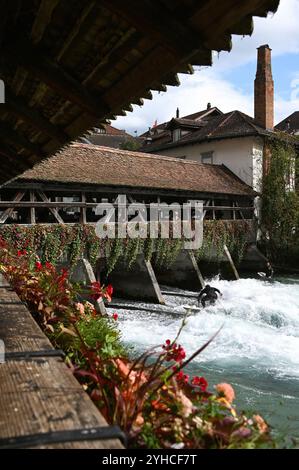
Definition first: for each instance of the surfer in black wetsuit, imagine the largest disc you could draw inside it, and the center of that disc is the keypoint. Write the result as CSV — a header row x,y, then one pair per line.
x,y
208,294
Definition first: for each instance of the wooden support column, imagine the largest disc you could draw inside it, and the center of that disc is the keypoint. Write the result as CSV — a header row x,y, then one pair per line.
x,y
98,304
32,209
83,219
228,255
6,214
54,211
196,269
234,211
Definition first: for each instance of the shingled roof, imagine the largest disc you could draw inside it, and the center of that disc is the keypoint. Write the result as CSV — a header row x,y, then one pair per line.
x,y
229,125
290,124
70,65
102,166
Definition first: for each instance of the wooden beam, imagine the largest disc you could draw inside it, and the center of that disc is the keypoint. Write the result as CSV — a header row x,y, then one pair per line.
x,y
53,211
228,255
42,19
16,138
6,166
180,39
117,53
84,22
32,209
18,106
83,218
8,212
54,204
98,304
224,14
23,54
12,157
243,27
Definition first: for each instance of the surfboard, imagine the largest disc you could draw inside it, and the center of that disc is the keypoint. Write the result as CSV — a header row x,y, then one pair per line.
x,y
261,274
192,308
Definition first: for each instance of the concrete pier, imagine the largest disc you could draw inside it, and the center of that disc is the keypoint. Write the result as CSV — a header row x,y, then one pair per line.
x,y
184,273
138,282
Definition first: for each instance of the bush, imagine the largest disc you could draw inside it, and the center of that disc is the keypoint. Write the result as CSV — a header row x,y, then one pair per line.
x,y
151,398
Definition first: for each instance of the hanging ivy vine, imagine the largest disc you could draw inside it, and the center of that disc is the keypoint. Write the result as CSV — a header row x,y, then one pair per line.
x,y
53,242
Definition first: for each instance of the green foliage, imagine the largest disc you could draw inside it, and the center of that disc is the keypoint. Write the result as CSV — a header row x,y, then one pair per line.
x,y
100,332
52,242
218,233
280,206
149,397
131,144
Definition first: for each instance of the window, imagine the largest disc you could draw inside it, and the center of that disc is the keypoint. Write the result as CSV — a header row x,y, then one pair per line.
x,y
207,157
176,135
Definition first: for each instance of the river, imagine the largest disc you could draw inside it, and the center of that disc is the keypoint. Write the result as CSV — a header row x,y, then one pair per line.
x,y
257,350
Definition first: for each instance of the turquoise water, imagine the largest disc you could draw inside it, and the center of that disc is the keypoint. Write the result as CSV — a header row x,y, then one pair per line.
x,y
257,350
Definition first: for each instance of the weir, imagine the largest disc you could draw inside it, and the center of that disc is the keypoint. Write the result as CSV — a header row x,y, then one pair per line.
x,y
138,279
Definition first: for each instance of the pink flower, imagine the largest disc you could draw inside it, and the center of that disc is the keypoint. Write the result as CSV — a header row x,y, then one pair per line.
x,y
200,382
115,316
80,308
261,424
226,390
242,433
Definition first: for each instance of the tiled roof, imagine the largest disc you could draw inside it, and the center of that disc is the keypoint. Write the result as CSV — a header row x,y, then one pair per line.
x,y
289,124
102,166
229,125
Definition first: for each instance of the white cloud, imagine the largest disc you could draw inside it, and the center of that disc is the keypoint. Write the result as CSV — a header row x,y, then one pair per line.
x,y
211,85
192,95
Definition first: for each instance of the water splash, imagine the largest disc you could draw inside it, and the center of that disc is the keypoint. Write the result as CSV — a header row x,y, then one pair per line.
x,y
261,326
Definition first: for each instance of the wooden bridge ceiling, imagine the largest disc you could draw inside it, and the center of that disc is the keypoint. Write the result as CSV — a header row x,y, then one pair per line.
x,y
69,65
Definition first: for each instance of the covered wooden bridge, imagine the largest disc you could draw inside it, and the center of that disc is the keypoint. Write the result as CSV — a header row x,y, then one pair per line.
x,y
67,187
70,65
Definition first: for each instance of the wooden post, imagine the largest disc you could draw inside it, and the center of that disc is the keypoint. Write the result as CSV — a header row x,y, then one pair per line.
x,y
83,210
54,211
32,209
234,211
197,270
8,212
228,255
98,304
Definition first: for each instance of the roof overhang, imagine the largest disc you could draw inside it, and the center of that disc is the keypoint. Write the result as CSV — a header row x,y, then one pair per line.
x,y
69,66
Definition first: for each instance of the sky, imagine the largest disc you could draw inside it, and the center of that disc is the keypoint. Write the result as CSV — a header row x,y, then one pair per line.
x,y
228,84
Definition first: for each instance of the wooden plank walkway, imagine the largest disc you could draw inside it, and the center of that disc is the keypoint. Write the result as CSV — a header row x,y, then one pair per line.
x,y
38,394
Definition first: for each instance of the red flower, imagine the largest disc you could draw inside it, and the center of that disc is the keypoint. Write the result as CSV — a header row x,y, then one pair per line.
x,y
62,278
200,382
175,352
109,292
181,377
38,266
115,316
96,290
21,253
49,265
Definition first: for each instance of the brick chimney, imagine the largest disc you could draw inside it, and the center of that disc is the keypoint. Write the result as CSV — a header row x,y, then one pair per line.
x,y
264,89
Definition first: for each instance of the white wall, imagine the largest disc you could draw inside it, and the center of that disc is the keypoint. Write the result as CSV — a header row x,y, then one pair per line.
x,y
242,156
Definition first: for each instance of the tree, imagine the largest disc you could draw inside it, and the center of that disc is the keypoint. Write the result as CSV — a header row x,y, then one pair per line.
x,y
280,205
